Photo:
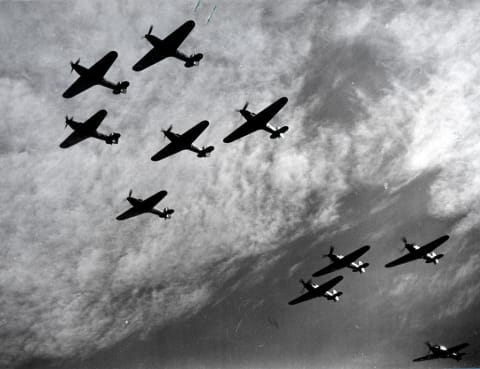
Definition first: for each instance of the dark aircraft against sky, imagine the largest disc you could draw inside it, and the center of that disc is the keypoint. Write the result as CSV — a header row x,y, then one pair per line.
x,y
442,352
140,206
340,261
184,141
259,121
168,47
95,76
416,252
315,290
82,131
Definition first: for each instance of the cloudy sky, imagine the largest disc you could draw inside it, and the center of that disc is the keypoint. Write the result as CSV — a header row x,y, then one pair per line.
x,y
384,108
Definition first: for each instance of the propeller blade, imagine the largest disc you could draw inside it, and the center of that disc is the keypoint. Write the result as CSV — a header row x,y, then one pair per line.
x,y
242,109
130,193
149,31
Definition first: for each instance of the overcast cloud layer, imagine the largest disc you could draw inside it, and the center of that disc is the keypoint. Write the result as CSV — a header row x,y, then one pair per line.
x,y
380,94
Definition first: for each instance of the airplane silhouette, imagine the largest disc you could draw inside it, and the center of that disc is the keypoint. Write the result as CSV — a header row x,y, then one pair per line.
x,y
140,206
315,290
416,252
442,352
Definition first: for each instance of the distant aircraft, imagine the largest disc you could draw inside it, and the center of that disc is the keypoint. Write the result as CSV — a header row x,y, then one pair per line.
x,y
140,206
259,121
95,76
441,352
340,261
168,47
314,290
416,252
184,141
81,131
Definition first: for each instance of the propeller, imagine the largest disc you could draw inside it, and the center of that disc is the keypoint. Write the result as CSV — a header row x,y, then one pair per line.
x,y
405,242
244,108
76,63
130,193
167,130
329,253
67,120
149,31
303,284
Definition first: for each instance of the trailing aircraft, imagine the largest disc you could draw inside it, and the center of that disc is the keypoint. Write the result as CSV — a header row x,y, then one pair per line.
x,y
82,131
416,252
442,352
168,47
95,76
184,141
340,261
315,290
259,121
140,206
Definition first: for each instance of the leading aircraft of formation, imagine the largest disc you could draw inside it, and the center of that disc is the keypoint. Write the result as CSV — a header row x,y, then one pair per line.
x,y
168,47
442,352
95,76
140,206
416,252
340,261
315,290
259,121
87,129
184,141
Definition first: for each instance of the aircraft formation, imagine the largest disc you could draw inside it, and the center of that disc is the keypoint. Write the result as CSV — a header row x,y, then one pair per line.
x,y
169,47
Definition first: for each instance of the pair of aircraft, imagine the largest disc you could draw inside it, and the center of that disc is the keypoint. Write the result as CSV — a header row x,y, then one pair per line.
x,y
168,47
337,262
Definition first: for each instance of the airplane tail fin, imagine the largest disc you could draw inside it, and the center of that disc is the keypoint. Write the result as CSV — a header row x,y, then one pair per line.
x,y
279,132
193,60
205,151
121,87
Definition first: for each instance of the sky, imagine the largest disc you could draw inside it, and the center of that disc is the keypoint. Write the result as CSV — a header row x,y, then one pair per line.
x,y
383,143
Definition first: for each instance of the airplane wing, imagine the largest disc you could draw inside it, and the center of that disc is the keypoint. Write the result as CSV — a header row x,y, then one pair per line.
x,y
342,263
429,247
92,123
404,259
170,149
259,121
175,39
319,291
132,212
154,199
153,56
74,138
184,141
426,357
95,74
457,348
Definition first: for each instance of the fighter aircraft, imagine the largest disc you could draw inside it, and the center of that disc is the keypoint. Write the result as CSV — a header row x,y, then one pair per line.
x,y
87,129
441,352
340,261
314,290
259,121
140,206
95,76
184,141
168,47
416,252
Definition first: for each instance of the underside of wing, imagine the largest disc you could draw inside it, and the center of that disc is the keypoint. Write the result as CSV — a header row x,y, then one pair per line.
x,y
81,84
154,199
426,357
153,56
269,112
327,285
305,297
103,65
330,268
130,213
404,259
433,245
92,123
74,138
193,133
175,39
170,149
245,129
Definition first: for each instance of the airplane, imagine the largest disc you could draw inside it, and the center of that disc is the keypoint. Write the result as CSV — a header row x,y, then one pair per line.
x,y
259,121
315,290
416,252
168,47
140,206
184,141
340,261
441,352
95,76
87,129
